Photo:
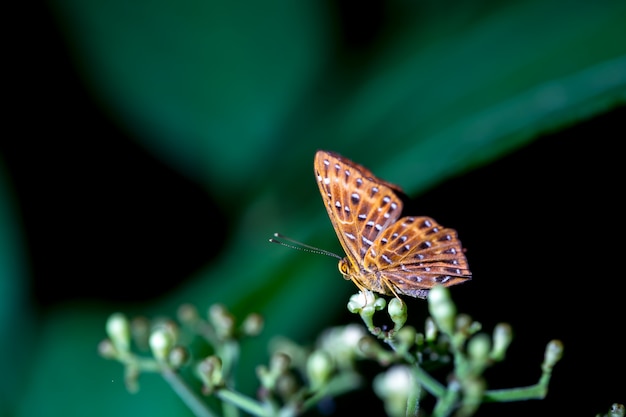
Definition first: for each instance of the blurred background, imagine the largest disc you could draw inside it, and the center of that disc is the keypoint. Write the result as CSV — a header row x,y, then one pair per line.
x,y
152,148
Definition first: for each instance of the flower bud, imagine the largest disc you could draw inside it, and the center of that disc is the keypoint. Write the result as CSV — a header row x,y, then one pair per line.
x,y
222,320
188,314
554,353
161,343
252,325
393,387
106,349
406,337
502,337
431,330
319,367
279,363
478,348
442,309
178,356
118,329
210,372
397,312
140,331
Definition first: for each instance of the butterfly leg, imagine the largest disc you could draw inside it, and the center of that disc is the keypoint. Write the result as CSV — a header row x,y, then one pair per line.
x,y
391,288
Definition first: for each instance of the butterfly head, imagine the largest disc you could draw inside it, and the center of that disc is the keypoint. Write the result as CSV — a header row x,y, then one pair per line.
x,y
364,280
345,268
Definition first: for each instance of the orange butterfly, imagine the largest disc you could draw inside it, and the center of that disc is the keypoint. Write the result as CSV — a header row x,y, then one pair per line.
x,y
385,253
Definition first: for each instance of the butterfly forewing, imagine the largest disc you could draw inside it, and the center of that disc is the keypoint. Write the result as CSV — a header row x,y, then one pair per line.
x,y
384,253
359,205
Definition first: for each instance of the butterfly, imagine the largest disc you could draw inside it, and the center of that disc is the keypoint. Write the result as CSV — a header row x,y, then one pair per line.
x,y
385,253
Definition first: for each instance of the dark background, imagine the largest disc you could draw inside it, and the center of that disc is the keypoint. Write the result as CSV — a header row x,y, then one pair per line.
x,y
543,227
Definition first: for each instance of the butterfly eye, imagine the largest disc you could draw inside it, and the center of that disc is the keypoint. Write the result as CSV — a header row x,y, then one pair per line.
x,y
344,268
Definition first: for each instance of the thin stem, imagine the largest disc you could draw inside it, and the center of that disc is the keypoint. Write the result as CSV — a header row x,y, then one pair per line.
x,y
537,391
446,403
229,354
189,397
241,401
413,400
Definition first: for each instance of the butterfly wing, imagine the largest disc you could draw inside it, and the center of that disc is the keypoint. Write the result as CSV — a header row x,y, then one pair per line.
x,y
360,206
415,253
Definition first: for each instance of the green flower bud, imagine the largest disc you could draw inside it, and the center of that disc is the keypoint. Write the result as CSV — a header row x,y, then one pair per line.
x,y
252,325
118,329
161,343
442,309
319,368
502,337
463,323
420,339
397,312
188,314
368,347
356,303
406,337
478,348
287,386
279,363
140,331
379,303
430,330
393,387
617,410
222,320
106,349
178,356
210,373
342,344
365,302
554,353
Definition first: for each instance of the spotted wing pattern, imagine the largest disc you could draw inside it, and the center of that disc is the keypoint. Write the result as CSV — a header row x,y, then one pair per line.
x,y
359,205
415,253
383,252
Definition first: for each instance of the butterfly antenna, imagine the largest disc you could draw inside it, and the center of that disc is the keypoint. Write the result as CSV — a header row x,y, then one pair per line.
x,y
294,244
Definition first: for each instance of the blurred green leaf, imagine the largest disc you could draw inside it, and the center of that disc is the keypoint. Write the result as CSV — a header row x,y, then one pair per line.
x,y
17,324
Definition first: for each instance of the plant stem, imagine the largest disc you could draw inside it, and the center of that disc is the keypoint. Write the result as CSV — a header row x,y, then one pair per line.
x,y
197,406
537,392
229,353
413,400
447,402
241,401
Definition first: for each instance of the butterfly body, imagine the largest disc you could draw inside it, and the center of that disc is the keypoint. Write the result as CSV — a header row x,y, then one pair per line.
x,y
385,253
